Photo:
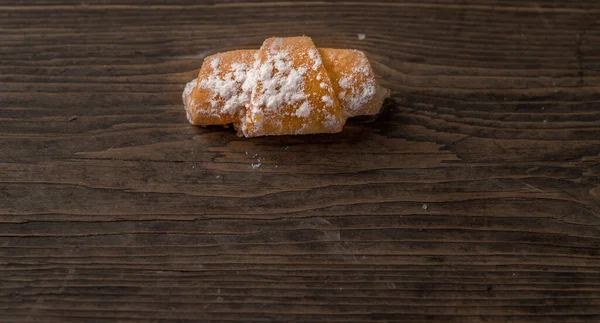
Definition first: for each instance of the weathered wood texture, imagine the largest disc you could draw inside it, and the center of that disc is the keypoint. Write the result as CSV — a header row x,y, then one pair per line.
x,y
474,197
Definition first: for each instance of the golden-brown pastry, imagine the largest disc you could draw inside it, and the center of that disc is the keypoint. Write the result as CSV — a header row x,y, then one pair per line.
x,y
353,81
216,96
288,86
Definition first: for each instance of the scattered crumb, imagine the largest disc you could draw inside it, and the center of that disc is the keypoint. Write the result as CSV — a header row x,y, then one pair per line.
x,y
287,147
256,163
361,36
425,206
73,118
218,176
545,121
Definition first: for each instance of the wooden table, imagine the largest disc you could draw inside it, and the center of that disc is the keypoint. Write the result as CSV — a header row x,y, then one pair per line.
x,y
474,197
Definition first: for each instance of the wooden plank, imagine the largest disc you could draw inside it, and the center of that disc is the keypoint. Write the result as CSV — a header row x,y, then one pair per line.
x,y
474,196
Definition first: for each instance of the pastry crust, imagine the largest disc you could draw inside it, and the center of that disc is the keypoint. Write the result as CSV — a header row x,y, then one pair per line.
x,y
216,96
286,87
353,81
286,96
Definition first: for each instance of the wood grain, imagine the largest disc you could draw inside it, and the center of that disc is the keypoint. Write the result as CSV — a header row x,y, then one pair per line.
x,y
474,196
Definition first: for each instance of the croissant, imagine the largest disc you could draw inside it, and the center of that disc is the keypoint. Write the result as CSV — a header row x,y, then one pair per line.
x,y
288,86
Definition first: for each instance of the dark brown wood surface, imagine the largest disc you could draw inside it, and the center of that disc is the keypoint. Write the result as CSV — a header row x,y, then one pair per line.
x,y
474,196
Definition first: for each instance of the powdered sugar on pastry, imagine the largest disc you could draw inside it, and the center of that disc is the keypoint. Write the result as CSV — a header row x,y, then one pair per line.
x,y
278,84
189,87
281,82
215,63
327,100
332,121
314,55
304,110
226,86
356,97
274,83
354,82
